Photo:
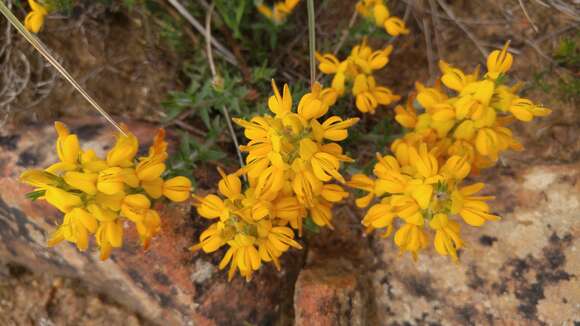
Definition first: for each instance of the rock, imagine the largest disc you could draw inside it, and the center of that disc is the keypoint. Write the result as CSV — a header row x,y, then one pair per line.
x,y
330,294
166,284
50,300
334,287
520,270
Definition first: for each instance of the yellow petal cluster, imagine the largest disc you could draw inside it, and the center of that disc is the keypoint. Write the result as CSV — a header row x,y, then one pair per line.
x,y
97,194
279,11
419,194
356,71
419,189
35,18
473,121
378,12
292,161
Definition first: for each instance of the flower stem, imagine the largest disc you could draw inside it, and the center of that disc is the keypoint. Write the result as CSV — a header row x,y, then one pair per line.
x,y
312,40
37,44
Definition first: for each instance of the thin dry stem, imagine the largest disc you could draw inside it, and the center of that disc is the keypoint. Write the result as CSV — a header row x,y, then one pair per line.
x,y
429,47
528,16
469,34
222,50
436,29
344,34
208,41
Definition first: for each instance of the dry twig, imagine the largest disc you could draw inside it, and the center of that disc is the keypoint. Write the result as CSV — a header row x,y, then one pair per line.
x,y
435,19
222,50
528,16
429,47
344,34
208,41
469,34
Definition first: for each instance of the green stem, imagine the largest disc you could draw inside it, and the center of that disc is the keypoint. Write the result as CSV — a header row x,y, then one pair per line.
x,y
312,40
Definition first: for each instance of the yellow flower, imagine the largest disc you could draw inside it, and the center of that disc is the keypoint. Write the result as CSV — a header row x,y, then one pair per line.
x,y
111,181
211,206
242,255
380,216
35,18
86,182
333,128
454,78
39,179
411,238
135,207
333,193
274,241
102,214
111,202
148,227
369,95
76,227
67,145
90,162
367,60
151,167
153,188
280,104
473,209
177,189
395,26
377,11
321,213
61,199
447,239
122,154
499,62
329,63
524,110
406,116
280,11
315,104
109,235
213,238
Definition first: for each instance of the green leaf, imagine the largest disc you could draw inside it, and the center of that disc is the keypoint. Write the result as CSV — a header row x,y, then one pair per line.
x,y
34,195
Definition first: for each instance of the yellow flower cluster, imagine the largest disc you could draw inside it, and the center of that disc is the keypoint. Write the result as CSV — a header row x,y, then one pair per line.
x,y
421,184
290,163
357,69
377,11
473,123
279,12
35,18
98,194
418,190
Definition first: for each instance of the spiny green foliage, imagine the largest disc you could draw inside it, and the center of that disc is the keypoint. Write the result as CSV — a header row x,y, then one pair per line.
x,y
192,152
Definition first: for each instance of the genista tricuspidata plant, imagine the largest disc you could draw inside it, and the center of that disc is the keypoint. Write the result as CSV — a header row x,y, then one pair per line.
x,y
97,194
454,134
357,70
291,175
293,159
